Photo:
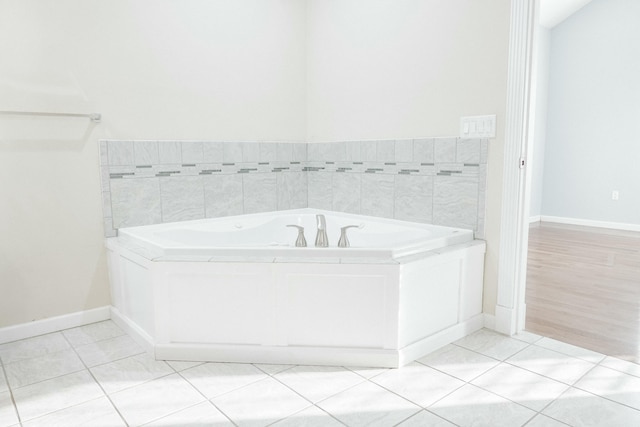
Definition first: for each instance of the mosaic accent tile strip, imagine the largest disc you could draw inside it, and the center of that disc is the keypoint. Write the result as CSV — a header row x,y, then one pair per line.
x,y
430,180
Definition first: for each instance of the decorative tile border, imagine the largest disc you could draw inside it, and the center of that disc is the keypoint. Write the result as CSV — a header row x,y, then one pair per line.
x,y
431,180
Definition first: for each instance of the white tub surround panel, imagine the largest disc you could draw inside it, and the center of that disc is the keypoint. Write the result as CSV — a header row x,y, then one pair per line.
x,y
390,298
430,180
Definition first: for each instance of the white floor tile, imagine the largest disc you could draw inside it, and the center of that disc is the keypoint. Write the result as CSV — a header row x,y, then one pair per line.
x,y
91,333
310,417
36,369
426,418
3,382
95,413
492,344
459,362
52,395
472,406
201,415
521,386
155,399
129,372
579,408
260,403
106,351
367,372
8,416
418,383
552,364
613,385
369,404
544,421
621,365
214,379
527,337
316,383
32,347
180,365
272,369
570,350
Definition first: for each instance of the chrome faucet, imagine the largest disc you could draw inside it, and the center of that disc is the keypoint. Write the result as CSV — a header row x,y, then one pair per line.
x,y
344,241
321,237
301,242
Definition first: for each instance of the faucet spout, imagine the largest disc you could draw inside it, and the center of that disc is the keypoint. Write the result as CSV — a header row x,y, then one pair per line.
x,y
321,237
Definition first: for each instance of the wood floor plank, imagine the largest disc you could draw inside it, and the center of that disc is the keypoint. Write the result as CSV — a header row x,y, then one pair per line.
x,y
583,287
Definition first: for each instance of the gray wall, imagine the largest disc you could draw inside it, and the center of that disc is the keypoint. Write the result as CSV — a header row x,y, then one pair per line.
x,y
593,131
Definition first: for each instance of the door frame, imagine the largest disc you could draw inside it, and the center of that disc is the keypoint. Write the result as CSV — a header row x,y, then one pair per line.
x,y
510,310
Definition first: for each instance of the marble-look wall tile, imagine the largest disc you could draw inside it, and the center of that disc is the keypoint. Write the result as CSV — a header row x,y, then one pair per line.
x,y
121,153
299,152
292,190
468,151
385,151
268,152
346,192
352,151
368,150
250,151
135,202
455,201
377,191
106,204
232,152
223,195
404,150
192,152
414,198
484,150
146,152
260,194
284,152
212,152
320,192
444,150
423,151
182,198
170,152
109,231
103,150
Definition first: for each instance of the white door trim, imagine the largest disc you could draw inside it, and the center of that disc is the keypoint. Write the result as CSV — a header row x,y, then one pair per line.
x,y
512,268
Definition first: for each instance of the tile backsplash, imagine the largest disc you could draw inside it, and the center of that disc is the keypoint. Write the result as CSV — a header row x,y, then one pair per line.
x,y
429,180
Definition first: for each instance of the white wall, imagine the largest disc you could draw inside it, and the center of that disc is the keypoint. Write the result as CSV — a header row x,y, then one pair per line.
x,y
594,115
540,122
155,69
387,69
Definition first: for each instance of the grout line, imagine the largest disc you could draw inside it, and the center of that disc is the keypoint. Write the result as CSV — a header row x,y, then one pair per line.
x,y
96,381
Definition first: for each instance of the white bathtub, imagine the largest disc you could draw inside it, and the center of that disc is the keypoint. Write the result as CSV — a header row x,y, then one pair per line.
x,y
237,289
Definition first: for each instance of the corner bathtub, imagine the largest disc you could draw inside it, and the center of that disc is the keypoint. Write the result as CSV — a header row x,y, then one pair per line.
x,y
236,289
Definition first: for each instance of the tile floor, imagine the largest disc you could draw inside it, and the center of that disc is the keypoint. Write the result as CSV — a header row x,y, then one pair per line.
x,y
96,375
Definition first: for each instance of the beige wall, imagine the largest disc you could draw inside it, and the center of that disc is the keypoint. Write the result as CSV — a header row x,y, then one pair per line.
x,y
226,70
290,70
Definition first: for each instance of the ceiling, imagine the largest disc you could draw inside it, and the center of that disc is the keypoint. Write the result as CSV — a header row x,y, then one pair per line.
x,y
553,12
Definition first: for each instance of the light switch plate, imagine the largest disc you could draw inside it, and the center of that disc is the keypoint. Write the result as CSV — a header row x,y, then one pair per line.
x,y
478,126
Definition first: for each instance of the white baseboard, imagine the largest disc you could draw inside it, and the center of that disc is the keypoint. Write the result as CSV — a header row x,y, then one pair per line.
x,y
536,218
53,324
591,223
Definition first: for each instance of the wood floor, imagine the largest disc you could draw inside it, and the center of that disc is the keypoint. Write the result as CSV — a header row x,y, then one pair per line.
x,y
583,287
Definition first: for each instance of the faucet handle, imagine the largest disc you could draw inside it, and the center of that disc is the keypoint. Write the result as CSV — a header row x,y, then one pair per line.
x,y
301,242
344,242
